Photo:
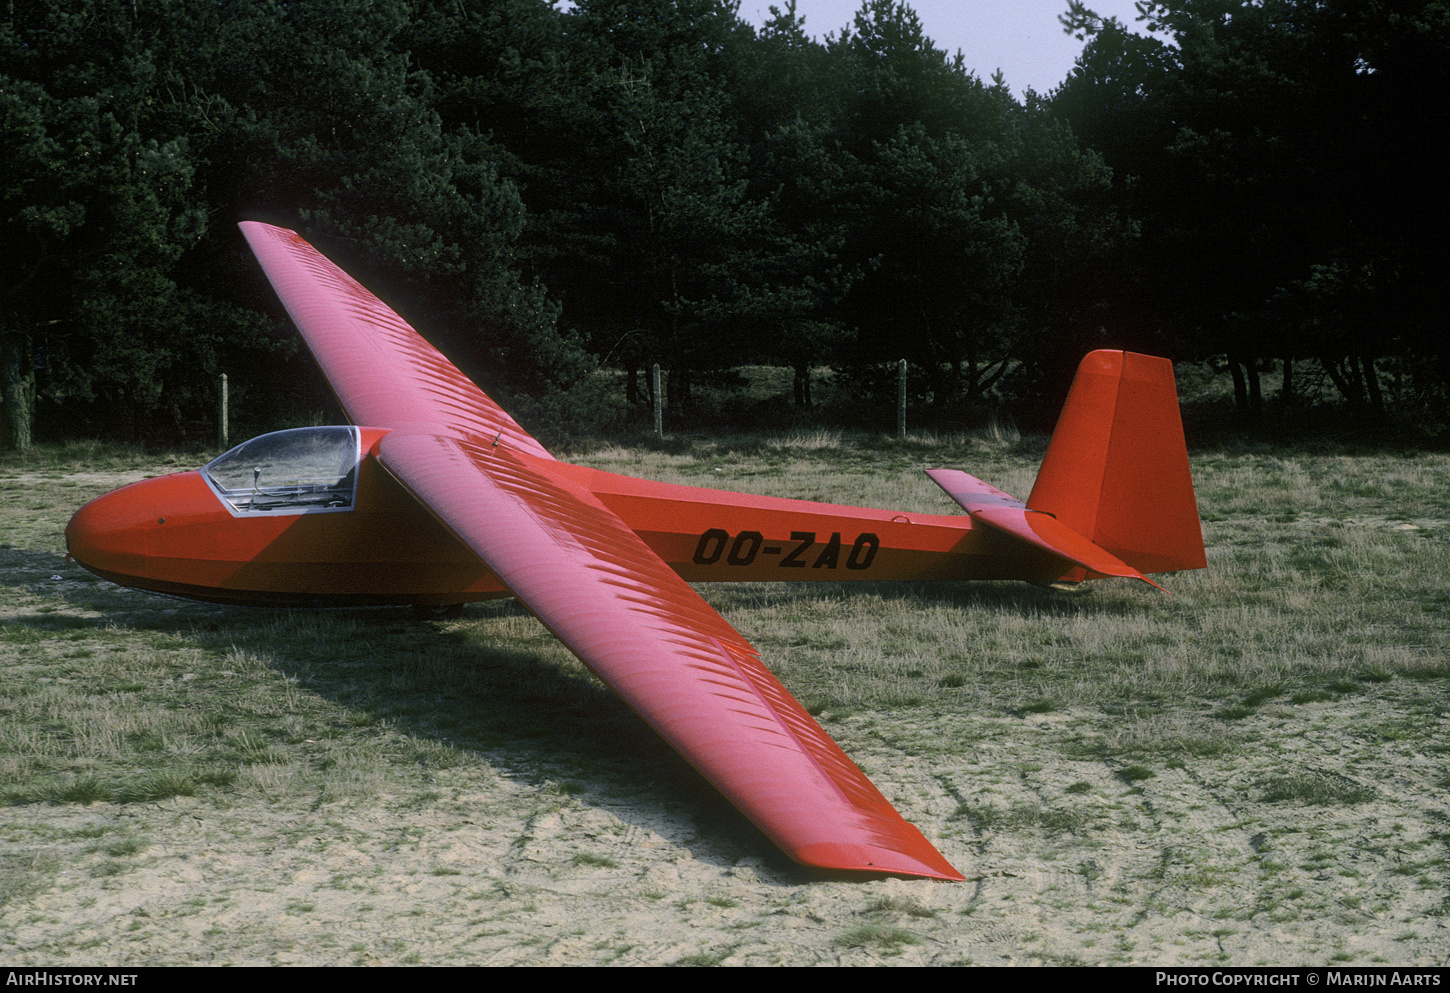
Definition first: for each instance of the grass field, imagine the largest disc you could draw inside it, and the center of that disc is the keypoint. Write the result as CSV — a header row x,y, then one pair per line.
x,y
1252,770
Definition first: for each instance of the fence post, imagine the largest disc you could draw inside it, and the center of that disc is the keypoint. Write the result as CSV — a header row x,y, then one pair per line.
x,y
222,432
659,404
901,400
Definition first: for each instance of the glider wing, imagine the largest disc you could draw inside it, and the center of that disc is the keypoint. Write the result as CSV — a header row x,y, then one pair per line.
x,y
672,658
592,580
383,372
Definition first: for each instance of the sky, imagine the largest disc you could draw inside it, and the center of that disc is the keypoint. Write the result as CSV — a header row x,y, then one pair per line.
x,y
1021,37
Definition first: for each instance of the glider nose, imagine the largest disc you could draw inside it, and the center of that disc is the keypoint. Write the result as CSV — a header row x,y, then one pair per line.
x,y
109,535
136,535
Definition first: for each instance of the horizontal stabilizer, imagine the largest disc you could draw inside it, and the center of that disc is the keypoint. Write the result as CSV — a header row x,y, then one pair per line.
x,y
1004,512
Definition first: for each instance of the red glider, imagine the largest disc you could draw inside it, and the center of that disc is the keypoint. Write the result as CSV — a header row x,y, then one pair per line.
x,y
436,497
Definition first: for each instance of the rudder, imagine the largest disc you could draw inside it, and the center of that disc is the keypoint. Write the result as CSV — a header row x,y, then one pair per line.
x,y
1116,470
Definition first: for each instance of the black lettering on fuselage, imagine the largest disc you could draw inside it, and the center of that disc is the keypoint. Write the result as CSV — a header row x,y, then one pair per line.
x,y
711,546
747,546
830,555
804,540
863,552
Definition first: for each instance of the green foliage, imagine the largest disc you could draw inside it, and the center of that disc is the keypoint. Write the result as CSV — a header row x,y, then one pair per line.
x,y
99,202
1271,154
127,129
545,190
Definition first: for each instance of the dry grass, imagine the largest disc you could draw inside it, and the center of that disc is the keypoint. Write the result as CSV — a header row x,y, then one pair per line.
x,y
1297,690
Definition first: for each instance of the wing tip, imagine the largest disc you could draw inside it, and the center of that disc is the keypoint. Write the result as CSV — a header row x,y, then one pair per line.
x,y
926,862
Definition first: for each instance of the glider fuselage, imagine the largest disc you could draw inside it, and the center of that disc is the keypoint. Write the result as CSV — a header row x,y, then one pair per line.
x,y
180,535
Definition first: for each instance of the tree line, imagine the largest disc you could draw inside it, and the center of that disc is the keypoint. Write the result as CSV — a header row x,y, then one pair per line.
x,y
549,190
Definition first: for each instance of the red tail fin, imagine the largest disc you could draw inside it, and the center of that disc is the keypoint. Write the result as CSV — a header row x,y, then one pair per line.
x,y
1116,470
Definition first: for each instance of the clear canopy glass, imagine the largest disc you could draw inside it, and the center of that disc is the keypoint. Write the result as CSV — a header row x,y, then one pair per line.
x,y
304,470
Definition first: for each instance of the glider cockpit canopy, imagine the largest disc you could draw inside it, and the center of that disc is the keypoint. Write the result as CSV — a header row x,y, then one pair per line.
x,y
302,471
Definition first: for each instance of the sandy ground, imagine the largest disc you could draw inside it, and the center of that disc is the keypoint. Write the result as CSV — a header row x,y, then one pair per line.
x,y
1069,862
